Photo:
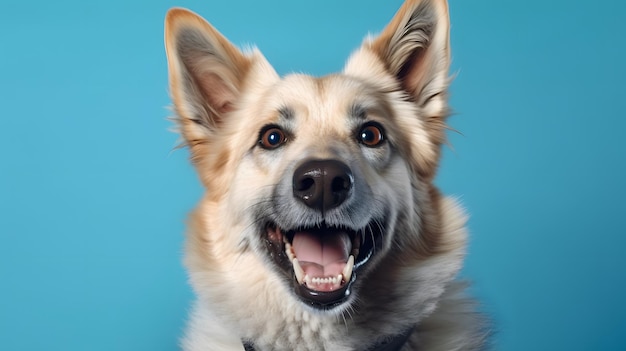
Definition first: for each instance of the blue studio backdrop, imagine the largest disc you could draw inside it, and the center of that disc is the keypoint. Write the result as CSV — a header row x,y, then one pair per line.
x,y
93,198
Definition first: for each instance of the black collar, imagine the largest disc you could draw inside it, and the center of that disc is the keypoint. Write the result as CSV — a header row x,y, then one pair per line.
x,y
393,343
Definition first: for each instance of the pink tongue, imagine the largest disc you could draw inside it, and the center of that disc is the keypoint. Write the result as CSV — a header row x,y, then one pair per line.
x,y
322,255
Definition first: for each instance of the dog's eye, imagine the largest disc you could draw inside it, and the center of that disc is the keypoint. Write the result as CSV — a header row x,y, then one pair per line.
x,y
371,135
272,137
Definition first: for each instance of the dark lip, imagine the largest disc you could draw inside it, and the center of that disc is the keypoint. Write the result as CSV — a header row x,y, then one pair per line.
x,y
324,300
371,243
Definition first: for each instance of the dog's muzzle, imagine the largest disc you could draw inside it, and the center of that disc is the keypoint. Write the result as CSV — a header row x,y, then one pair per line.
x,y
322,260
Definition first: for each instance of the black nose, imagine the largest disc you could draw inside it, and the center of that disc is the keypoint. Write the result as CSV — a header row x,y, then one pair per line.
x,y
322,184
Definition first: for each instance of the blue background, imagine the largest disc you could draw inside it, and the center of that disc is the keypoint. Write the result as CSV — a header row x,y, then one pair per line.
x,y
93,199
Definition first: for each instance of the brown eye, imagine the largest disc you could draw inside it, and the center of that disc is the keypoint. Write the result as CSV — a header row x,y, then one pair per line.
x,y
272,137
371,135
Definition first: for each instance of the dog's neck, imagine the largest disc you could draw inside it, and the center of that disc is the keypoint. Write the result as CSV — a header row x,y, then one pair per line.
x,y
393,343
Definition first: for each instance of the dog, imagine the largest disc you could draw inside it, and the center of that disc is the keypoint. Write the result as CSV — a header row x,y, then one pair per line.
x,y
321,227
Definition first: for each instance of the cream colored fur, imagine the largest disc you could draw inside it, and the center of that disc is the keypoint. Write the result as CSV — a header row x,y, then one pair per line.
x,y
224,97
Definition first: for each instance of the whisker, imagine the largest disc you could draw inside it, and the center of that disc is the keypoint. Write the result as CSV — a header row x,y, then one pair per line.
x,y
343,316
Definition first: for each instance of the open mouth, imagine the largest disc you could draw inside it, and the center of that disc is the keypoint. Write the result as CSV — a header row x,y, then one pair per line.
x,y
323,261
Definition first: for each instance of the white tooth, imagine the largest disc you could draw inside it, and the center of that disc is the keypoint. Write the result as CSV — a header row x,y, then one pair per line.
x,y
307,280
347,270
289,251
339,278
298,270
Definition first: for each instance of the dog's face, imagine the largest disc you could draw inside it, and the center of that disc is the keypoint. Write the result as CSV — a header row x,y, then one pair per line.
x,y
320,181
314,181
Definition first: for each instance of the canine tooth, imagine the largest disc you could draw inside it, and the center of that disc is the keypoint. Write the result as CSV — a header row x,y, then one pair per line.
x,y
347,270
289,251
298,270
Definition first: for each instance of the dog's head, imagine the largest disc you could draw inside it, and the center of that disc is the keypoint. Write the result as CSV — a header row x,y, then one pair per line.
x,y
315,180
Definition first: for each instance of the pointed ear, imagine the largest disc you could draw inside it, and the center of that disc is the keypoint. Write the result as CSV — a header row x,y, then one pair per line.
x,y
414,49
206,74
412,55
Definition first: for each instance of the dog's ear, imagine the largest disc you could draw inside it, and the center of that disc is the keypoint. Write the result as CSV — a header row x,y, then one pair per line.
x,y
206,74
413,53
414,48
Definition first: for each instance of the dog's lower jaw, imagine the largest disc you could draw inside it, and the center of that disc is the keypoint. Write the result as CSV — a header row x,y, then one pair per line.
x,y
327,278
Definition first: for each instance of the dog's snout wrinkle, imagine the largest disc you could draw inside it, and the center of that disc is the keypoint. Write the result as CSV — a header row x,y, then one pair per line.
x,y
322,184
